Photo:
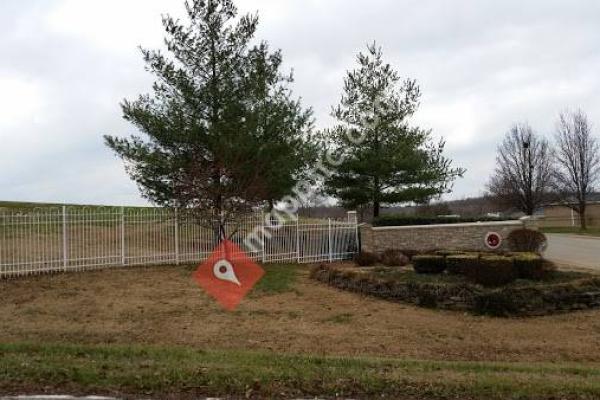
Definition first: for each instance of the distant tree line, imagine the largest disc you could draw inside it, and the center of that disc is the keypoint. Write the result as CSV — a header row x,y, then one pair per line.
x,y
221,133
532,171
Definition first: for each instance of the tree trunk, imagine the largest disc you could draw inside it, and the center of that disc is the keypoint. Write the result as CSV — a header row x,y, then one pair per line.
x,y
376,207
582,219
376,192
530,209
218,231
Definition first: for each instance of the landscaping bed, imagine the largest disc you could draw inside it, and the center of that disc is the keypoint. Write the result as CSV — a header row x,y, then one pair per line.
x,y
554,292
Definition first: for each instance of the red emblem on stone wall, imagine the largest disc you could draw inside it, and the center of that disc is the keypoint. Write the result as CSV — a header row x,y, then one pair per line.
x,y
493,240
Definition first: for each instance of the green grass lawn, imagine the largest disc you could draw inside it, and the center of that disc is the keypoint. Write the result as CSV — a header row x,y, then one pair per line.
x,y
278,278
186,372
573,231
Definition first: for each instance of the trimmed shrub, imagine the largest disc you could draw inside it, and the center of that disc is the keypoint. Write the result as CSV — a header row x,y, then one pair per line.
x,y
462,264
429,264
527,240
366,259
530,266
408,220
447,253
493,271
394,258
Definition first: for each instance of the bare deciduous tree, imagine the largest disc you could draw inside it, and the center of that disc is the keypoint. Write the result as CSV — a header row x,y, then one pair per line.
x,y
577,158
524,170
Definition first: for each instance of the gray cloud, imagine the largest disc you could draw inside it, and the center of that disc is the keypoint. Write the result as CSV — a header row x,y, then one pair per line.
x,y
65,65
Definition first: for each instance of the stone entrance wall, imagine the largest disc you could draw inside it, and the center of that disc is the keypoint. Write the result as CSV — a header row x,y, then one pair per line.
x,y
467,236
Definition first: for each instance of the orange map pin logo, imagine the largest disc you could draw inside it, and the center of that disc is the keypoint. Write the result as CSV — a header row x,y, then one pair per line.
x,y
228,274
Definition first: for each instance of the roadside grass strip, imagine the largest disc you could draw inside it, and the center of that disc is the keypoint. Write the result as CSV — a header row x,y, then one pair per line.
x,y
185,371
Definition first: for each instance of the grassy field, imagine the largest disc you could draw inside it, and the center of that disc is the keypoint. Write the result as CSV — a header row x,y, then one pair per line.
x,y
26,206
151,332
18,205
573,231
187,373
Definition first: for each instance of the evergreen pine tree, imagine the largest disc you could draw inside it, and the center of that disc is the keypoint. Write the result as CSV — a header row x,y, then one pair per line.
x,y
384,160
222,133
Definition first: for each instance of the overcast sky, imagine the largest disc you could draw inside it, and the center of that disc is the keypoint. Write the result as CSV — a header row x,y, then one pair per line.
x,y
65,65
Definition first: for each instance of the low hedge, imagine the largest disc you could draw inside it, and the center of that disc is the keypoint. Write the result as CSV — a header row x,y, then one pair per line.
x,y
487,269
429,264
530,266
460,264
492,271
408,220
447,253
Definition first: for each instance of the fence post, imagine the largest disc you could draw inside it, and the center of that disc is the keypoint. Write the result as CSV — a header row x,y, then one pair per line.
x,y
356,228
352,216
298,237
123,259
264,239
176,237
65,237
329,240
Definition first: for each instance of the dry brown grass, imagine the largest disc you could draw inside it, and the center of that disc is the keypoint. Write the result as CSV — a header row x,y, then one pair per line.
x,y
163,306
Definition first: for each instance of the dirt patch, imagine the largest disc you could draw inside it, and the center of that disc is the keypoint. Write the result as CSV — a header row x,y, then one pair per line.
x,y
163,306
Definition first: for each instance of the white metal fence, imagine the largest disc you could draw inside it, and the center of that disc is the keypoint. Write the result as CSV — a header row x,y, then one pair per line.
x,y
76,239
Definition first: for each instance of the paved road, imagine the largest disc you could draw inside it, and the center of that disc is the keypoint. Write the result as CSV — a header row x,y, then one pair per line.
x,y
577,251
